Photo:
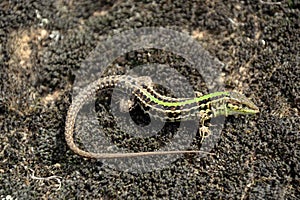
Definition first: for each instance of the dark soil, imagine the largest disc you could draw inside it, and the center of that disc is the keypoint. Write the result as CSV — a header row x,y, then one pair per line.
x,y
43,46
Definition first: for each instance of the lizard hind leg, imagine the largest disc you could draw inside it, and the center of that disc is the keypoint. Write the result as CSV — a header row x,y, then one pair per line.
x,y
127,105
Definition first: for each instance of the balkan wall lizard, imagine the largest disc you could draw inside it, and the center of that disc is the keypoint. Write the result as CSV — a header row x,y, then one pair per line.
x,y
168,108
